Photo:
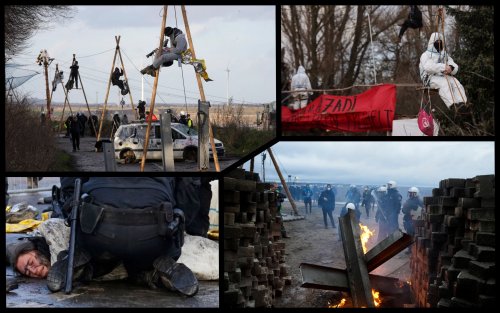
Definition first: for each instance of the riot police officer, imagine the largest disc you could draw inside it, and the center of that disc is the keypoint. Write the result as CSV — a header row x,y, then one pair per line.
x,y
131,220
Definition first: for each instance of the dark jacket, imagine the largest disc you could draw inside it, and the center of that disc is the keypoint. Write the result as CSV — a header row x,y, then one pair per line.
x,y
327,200
116,76
74,127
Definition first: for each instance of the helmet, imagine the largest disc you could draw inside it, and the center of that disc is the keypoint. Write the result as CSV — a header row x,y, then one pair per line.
x,y
391,184
366,188
382,189
350,206
413,191
183,113
352,186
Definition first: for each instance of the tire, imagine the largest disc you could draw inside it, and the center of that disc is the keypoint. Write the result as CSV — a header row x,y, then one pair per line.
x,y
190,154
128,156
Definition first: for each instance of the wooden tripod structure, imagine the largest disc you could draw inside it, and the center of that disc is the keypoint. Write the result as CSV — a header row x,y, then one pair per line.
x,y
67,99
155,86
117,52
285,186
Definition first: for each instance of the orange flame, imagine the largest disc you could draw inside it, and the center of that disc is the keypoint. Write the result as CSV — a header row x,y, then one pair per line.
x,y
376,298
366,233
338,305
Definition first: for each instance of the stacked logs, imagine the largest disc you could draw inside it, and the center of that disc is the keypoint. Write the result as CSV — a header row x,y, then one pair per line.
x,y
453,258
254,254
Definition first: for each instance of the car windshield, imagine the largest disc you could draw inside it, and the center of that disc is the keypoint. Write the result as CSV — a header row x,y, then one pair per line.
x,y
185,129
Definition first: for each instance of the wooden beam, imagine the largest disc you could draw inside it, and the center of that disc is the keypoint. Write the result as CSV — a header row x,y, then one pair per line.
x,y
117,39
288,194
329,278
386,249
155,86
126,79
357,272
200,87
88,107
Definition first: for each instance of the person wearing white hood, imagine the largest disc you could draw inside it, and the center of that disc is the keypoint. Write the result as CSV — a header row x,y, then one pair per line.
x,y
437,70
300,81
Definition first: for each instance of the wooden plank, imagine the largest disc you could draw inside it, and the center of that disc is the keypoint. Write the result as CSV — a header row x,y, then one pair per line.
x,y
357,272
329,278
386,249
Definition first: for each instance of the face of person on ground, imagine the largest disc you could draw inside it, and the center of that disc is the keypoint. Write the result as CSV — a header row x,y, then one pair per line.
x,y
33,264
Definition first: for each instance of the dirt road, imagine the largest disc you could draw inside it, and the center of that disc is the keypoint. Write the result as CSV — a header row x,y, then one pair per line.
x,y
310,242
87,160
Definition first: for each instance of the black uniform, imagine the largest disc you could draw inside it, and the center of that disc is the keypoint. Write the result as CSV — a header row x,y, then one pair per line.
x,y
142,109
73,76
327,203
125,219
115,78
82,119
74,127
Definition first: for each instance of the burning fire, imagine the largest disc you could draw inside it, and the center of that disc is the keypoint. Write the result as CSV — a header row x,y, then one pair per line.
x,y
376,298
366,233
338,305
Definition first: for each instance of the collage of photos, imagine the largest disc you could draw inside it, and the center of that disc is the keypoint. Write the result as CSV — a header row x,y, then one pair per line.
x,y
147,170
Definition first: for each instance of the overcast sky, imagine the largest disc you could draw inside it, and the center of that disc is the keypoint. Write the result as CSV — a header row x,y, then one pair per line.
x,y
374,163
241,38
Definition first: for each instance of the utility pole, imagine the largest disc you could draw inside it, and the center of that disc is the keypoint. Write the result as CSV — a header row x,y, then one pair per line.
x,y
292,202
43,58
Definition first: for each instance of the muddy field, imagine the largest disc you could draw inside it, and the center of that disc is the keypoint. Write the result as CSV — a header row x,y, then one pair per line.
x,y
87,160
310,242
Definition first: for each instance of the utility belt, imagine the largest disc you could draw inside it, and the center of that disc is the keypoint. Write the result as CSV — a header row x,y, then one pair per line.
x,y
169,220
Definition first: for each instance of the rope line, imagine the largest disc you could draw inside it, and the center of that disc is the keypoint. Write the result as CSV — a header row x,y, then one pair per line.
x,y
182,67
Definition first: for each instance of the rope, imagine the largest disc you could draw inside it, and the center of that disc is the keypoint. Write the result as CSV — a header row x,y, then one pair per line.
x,y
440,17
91,55
371,45
353,86
182,67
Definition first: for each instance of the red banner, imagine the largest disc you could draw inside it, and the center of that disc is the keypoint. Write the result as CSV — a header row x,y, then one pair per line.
x,y
371,110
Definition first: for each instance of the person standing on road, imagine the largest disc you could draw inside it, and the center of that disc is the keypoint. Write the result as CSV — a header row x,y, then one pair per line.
x,y
412,210
327,203
141,107
75,133
307,195
367,201
394,205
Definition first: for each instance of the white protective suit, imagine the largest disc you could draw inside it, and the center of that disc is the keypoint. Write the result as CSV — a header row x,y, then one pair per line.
x,y
432,66
300,81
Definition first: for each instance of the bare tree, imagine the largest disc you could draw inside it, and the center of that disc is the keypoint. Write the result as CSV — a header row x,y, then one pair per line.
x,y
23,21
